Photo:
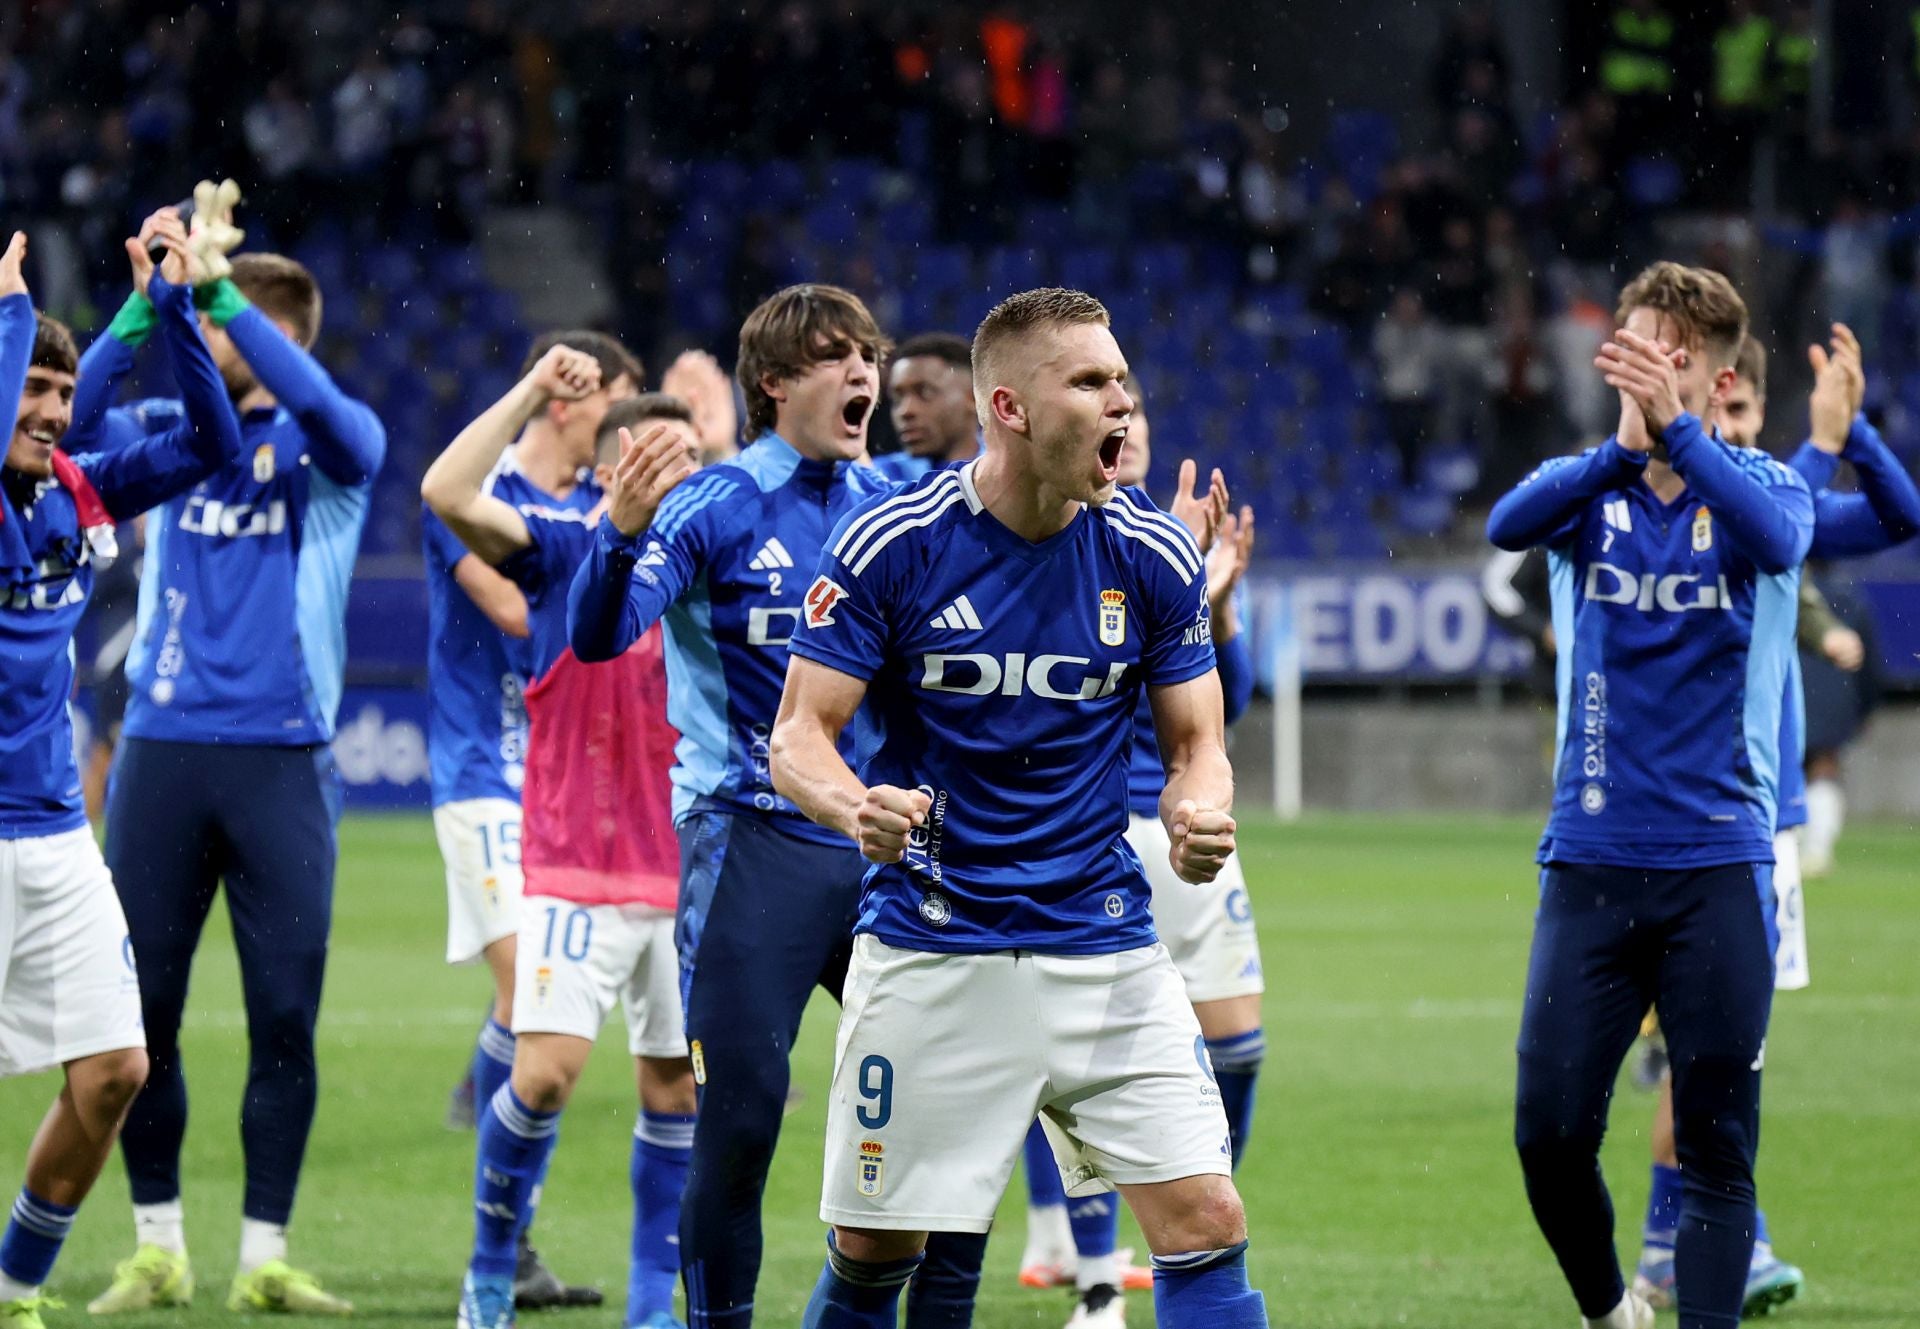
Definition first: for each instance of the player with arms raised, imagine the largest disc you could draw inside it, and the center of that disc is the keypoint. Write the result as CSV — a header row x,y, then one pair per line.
x,y
69,995
998,621
1675,561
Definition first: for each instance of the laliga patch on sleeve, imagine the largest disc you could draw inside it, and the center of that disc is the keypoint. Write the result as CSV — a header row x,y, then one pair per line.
x,y
822,596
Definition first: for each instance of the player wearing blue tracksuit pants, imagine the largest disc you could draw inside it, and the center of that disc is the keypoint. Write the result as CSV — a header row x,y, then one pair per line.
x,y
768,900
1677,611
236,672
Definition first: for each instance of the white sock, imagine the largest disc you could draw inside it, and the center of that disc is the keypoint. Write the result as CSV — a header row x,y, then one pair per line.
x,y
1049,1235
1098,1269
12,1289
260,1242
163,1225
1826,810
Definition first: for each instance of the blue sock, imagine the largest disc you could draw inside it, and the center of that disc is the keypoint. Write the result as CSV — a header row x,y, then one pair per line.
x,y
1663,1208
942,1294
1095,1220
1043,1174
492,1061
1206,1290
515,1143
1761,1237
531,1206
1236,1068
853,1294
662,1146
33,1236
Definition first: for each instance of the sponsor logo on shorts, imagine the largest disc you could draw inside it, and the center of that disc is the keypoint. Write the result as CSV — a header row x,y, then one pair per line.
x,y
873,1167
936,909
1239,908
699,1055
542,984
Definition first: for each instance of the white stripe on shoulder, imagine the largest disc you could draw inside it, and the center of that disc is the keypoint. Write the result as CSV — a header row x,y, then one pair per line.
x,y
950,495
1175,528
906,505
1158,540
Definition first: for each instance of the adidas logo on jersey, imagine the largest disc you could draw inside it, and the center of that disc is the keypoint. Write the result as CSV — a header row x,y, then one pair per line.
x,y
959,614
772,556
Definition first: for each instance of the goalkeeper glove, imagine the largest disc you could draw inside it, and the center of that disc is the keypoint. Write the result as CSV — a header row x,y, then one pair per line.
x,y
212,234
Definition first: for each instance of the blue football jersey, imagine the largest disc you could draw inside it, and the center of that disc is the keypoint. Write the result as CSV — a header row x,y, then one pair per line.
x,y
560,536
1677,623
724,566
48,564
477,721
1003,677
902,468
241,634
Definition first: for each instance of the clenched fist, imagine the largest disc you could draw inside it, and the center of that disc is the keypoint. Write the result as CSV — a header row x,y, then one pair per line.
x,y
887,816
1202,841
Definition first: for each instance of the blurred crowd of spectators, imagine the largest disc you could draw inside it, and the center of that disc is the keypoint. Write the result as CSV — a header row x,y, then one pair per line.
x,y
1474,253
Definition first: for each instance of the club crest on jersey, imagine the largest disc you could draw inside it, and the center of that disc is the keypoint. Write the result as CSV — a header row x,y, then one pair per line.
x,y
822,596
936,909
1702,531
1113,618
873,1165
263,463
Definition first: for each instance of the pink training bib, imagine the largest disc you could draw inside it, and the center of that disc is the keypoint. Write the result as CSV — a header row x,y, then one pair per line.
x,y
597,803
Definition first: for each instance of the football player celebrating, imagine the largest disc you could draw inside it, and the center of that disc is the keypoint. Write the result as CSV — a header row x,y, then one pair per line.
x,y
998,622
1676,561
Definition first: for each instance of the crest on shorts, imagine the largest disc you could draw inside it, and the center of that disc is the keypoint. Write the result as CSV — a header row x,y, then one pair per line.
x,y
873,1167
1702,531
263,463
1113,618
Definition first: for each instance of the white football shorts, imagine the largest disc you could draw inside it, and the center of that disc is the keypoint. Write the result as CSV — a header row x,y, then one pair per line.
x,y
577,961
68,987
1209,930
1790,913
943,1061
480,844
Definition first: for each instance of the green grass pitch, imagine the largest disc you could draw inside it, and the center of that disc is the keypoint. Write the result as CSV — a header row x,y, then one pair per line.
x,y
1381,1183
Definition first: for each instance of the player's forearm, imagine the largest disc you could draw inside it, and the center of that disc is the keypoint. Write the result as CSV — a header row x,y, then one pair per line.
x,y
347,440
459,474
1816,618
1547,501
602,617
213,432
1815,465
1200,773
1771,524
809,772
1884,482
17,327
102,368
